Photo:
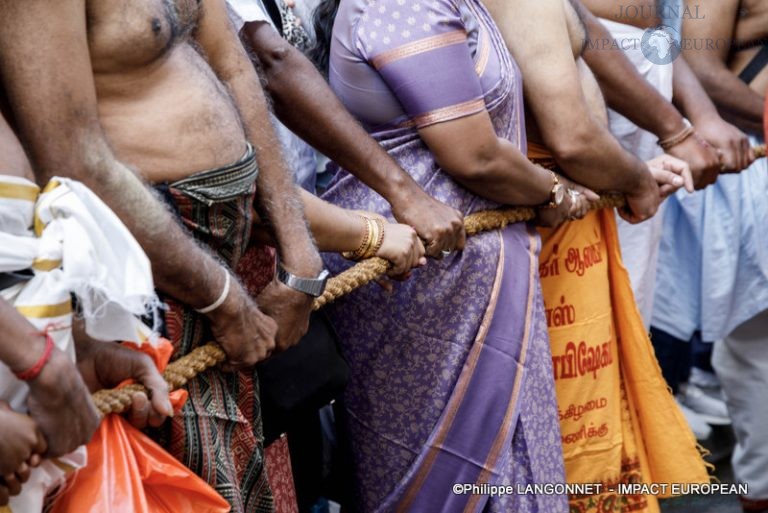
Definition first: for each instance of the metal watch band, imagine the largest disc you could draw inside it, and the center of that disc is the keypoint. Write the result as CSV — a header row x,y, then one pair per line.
x,y
310,286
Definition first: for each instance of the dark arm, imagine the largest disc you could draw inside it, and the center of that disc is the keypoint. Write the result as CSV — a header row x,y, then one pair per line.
x,y
581,144
742,104
625,90
305,103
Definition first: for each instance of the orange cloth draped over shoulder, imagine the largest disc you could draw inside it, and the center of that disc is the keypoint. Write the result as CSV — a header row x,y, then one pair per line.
x,y
619,422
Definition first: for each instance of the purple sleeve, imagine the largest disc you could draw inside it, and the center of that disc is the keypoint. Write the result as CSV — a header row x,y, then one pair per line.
x,y
420,50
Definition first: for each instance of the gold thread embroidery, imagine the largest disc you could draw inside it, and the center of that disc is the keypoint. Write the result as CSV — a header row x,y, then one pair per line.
x,y
484,52
39,225
417,47
450,112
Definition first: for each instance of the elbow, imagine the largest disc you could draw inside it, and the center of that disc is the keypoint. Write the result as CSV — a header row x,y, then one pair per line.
x,y
274,58
474,166
569,148
272,51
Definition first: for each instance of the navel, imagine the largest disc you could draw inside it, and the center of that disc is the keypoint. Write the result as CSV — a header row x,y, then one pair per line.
x,y
157,27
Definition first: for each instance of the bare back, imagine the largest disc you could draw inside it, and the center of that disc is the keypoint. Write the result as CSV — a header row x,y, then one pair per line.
x,y
164,110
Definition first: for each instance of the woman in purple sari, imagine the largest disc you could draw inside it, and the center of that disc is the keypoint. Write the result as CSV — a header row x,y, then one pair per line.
x,y
451,373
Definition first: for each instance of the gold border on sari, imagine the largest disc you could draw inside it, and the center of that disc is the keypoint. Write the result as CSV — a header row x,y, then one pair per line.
x,y
462,385
422,45
483,52
447,113
498,444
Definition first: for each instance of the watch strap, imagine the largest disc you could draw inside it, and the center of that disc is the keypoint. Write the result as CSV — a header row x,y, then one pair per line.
x,y
311,286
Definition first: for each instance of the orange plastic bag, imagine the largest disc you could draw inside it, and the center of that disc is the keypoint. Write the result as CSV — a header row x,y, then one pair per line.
x,y
129,473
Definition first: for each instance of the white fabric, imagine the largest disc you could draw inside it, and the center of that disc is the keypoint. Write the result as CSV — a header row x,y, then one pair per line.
x,y
640,243
741,362
244,11
89,253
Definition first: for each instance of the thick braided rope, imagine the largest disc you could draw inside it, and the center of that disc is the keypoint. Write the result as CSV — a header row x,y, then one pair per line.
x,y
179,372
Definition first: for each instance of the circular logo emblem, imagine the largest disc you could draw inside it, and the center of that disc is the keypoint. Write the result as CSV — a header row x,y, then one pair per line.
x,y
661,45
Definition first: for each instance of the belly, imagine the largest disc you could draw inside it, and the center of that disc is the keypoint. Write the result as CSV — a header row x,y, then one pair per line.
x,y
172,119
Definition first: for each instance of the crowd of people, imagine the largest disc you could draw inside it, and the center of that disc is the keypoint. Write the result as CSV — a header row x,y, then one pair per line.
x,y
196,169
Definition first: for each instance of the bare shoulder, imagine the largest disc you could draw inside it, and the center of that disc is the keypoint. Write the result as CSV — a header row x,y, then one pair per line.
x,y
711,18
752,22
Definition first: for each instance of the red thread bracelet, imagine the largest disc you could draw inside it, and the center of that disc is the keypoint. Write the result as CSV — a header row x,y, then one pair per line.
x,y
36,369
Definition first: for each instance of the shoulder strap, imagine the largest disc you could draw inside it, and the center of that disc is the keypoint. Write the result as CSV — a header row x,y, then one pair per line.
x,y
756,65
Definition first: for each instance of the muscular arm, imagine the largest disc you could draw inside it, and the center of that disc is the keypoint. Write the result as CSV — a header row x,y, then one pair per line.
x,y
47,74
277,196
732,96
582,146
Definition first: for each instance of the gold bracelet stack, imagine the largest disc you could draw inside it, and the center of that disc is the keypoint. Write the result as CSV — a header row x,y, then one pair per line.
x,y
677,138
373,238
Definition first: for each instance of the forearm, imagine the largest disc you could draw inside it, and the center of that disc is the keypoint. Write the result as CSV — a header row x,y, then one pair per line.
x,y
334,229
625,90
689,95
597,160
304,102
20,346
278,202
730,94
276,198
507,178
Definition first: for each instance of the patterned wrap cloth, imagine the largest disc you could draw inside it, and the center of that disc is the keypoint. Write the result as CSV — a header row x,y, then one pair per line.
x,y
451,376
218,432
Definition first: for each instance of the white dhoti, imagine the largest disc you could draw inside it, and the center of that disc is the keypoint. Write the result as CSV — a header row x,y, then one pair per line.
x,y
741,363
640,242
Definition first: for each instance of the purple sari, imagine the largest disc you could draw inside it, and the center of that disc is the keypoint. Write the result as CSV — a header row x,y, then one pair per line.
x,y
451,374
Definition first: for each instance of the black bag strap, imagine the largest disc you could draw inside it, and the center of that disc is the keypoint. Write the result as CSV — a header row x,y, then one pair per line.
x,y
274,12
755,66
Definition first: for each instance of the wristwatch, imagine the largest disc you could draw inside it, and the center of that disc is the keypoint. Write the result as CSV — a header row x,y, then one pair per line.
x,y
310,286
557,194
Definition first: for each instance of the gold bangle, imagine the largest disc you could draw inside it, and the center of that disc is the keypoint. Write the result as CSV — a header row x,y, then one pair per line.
x,y
380,239
677,138
374,227
357,253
